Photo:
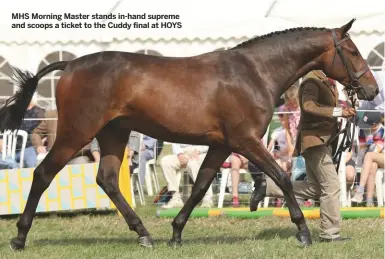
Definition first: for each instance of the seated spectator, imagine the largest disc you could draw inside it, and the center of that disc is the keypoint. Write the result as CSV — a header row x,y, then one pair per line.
x,y
133,146
351,159
237,162
146,153
30,155
95,151
47,130
372,139
350,162
291,106
295,166
184,157
281,143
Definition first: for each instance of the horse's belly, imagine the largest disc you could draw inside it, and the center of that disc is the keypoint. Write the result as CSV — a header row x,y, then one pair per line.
x,y
178,130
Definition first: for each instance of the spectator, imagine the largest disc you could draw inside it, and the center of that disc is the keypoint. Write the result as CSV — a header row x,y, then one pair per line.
x,y
281,143
237,162
133,150
372,139
47,130
291,106
30,155
350,162
132,146
146,153
184,157
95,151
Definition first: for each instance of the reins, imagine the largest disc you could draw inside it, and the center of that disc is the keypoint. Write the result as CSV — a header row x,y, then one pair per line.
x,y
348,137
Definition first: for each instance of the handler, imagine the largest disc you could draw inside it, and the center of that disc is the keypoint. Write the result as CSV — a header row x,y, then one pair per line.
x,y
318,123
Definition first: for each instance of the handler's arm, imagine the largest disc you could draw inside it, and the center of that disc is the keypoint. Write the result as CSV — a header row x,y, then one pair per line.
x,y
310,96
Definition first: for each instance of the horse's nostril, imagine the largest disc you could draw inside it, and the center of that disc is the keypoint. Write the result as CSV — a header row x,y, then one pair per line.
x,y
377,91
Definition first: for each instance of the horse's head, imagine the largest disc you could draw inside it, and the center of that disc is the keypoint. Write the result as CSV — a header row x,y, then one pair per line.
x,y
343,62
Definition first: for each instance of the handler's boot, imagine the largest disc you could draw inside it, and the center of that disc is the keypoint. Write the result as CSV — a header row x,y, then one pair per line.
x,y
259,192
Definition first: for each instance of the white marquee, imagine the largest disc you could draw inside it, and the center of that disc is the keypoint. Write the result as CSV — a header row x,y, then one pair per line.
x,y
206,26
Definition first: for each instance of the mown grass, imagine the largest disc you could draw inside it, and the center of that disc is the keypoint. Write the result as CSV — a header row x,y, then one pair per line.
x,y
107,236
95,235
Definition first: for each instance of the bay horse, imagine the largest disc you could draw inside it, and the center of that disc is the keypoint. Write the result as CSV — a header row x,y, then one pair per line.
x,y
222,99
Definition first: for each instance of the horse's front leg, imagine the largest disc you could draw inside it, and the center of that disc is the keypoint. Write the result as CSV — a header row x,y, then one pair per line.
x,y
252,148
209,168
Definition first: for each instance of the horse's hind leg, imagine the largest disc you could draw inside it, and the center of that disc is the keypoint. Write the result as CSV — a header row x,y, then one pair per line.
x,y
112,141
253,149
209,168
64,148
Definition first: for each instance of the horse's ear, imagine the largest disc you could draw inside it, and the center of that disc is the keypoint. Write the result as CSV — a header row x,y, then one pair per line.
x,y
346,27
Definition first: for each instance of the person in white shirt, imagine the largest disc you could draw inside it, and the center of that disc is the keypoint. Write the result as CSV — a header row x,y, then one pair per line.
x,y
184,158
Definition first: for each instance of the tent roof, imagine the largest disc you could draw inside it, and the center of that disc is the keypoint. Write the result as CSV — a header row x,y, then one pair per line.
x,y
331,13
200,19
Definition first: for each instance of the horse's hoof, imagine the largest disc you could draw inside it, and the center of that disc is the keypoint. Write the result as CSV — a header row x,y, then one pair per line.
x,y
16,245
304,238
174,244
146,241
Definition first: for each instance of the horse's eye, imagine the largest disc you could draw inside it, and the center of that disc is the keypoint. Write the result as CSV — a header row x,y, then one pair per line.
x,y
354,53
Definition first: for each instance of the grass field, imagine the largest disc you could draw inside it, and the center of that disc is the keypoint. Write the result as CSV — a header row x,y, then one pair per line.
x,y
107,236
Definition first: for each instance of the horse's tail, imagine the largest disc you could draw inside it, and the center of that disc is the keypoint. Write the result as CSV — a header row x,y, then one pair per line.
x,y
12,113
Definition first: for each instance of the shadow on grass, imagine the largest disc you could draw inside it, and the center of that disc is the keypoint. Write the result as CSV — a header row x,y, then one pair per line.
x,y
160,241
90,241
216,240
267,234
64,214
281,233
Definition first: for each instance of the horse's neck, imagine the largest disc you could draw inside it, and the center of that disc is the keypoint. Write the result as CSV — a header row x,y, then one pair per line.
x,y
289,62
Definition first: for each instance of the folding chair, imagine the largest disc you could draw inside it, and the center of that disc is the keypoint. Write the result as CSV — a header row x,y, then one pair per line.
x,y
380,187
135,179
9,144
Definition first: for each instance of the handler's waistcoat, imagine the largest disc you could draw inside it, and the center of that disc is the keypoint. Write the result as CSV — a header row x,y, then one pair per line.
x,y
314,130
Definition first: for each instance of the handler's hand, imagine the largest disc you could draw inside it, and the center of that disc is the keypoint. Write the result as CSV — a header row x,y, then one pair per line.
x,y
348,112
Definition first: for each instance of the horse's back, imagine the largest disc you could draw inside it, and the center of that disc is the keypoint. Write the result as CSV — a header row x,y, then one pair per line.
x,y
176,94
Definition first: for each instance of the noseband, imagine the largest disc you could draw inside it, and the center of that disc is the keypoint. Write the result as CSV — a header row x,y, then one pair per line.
x,y
354,86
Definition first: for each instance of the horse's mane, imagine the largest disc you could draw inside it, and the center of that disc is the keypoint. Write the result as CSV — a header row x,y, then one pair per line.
x,y
271,34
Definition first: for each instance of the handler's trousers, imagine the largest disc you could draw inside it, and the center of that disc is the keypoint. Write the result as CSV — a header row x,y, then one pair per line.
x,y
323,183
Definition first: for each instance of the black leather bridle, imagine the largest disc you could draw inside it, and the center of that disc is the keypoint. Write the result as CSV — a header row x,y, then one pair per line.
x,y
354,87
